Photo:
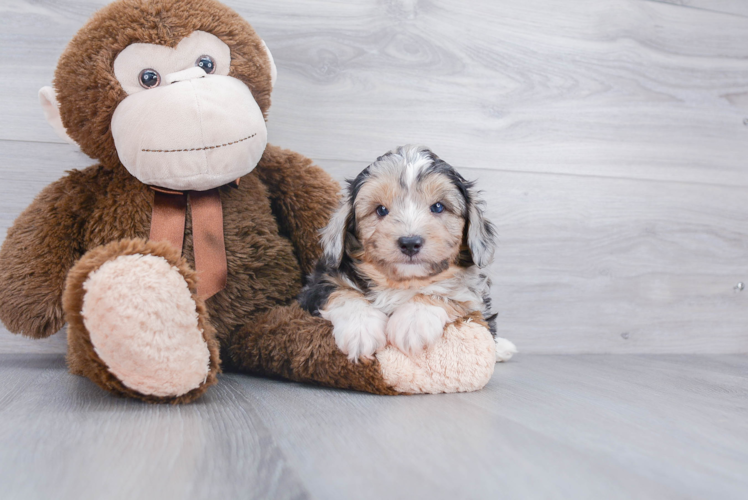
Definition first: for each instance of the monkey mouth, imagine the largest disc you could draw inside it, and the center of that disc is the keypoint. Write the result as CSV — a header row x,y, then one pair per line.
x,y
199,149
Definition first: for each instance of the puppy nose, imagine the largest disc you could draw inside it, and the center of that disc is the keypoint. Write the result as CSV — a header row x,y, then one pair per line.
x,y
410,245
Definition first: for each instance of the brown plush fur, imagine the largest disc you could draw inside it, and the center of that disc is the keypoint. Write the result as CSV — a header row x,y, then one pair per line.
x,y
269,223
286,342
271,219
83,360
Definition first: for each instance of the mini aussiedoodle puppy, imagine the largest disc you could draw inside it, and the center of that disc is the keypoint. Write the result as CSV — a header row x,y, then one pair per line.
x,y
403,257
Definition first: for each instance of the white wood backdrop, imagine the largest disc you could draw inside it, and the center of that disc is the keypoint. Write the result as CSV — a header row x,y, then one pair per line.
x,y
610,137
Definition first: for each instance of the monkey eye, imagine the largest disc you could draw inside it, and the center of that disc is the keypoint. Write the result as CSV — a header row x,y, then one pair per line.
x,y
206,63
382,211
437,207
149,78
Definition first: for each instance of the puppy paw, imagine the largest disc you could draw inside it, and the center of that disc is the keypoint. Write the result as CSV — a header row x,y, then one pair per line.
x,y
416,326
358,328
504,349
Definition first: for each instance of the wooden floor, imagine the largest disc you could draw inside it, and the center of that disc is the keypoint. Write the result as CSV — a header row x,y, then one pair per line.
x,y
576,426
611,140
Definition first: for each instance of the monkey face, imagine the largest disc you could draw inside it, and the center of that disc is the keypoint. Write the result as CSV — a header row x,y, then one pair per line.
x,y
175,92
185,124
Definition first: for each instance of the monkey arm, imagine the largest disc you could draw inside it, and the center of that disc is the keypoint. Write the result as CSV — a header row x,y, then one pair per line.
x,y
302,196
288,342
39,249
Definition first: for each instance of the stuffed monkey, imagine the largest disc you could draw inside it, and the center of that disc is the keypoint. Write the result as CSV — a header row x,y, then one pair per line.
x,y
182,251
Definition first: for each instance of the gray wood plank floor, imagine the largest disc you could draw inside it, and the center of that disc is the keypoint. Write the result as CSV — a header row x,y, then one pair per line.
x,y
611,140
594,426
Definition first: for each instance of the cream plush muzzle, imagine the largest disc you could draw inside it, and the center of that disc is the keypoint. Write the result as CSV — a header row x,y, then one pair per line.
x,y
185,136
193,130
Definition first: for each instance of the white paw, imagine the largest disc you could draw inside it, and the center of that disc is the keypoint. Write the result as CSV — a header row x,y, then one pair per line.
x,y
504,349
358,328
415,326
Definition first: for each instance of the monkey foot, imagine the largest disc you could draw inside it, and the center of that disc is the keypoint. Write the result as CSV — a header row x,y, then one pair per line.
x,y
136,326
462,360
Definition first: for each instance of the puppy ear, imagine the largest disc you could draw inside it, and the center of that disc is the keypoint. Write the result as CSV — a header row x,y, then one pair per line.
x,y
481,233
333,235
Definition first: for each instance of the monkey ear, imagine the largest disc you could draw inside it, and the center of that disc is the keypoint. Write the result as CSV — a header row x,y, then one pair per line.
x,y
273,69
333,236
481,233
48,100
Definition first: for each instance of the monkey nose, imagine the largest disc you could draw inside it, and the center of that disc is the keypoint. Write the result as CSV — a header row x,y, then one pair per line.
x,y
410,245
185,74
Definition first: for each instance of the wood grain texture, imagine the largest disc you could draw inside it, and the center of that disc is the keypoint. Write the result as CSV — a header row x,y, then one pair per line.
x,y
545,427
732,7
62,437
621,88
609,139
16,344
608,136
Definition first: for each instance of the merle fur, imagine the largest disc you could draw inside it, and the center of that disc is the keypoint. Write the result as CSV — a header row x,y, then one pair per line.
x,y
318,289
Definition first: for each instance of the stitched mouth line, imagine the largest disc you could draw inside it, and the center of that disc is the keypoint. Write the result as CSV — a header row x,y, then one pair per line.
x,y
197,149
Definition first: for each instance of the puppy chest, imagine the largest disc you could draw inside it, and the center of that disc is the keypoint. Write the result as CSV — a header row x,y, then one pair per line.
x,y
450,296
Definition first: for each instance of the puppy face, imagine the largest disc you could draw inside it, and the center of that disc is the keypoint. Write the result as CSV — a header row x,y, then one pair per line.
x,y
409,214
410,221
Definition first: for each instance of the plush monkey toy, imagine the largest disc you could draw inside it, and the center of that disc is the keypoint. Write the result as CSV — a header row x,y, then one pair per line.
x,y
182,251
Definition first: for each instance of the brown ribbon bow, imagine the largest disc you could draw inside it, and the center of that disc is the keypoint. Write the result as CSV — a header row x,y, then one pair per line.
x,y
167,224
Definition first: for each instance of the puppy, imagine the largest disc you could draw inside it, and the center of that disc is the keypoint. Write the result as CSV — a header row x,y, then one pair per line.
x,y
402,257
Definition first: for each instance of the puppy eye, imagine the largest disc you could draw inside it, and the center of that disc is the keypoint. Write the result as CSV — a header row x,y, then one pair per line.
x,y
206,63
382,211
149,78
437,207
